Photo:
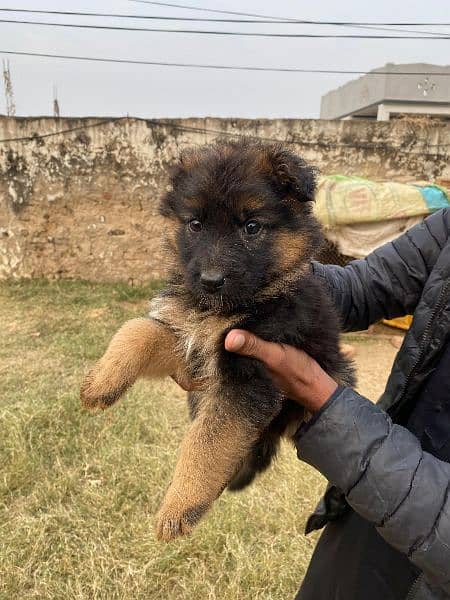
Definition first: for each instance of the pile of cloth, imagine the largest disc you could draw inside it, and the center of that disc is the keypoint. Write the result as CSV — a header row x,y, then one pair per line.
x,y
359,215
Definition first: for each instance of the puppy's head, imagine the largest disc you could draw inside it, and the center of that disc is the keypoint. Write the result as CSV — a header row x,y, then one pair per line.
x,y
239,219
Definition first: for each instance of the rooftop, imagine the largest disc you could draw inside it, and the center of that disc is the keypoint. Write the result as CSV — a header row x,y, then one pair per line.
x,y
418,88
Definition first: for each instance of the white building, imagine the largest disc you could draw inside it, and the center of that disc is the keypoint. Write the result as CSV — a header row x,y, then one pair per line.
x,y
423,90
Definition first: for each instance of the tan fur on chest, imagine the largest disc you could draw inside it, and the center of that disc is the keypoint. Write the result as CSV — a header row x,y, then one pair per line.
x,y
199,334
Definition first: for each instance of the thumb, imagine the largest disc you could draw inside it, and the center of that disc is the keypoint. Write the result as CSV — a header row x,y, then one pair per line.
x,y
245,343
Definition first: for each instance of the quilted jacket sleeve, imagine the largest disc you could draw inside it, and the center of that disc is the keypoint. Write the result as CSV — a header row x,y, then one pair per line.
x,y
386,478
389,282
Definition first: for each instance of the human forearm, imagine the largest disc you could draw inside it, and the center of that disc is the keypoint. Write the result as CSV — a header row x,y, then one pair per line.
x,y
389,282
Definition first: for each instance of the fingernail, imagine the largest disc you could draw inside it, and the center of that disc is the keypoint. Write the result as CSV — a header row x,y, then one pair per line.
x,y
237,341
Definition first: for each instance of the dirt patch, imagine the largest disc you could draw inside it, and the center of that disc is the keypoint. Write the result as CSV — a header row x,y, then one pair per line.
x,y
374,356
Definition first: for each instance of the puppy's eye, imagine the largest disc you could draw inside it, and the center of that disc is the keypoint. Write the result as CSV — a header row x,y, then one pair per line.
x,y
252,227
195,226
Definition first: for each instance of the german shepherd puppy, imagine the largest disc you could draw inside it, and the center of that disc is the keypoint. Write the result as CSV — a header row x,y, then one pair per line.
x,y
240,237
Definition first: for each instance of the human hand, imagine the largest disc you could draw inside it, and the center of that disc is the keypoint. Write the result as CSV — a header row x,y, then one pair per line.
x,y
297,375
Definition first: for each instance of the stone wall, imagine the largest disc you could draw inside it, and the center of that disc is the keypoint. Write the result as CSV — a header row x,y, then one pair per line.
x,y
79,197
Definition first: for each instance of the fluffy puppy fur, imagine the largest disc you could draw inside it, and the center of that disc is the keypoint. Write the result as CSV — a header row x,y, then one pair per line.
x,y
240,237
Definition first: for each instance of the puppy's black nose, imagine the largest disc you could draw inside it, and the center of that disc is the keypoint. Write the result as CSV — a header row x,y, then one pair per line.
x,y
212,280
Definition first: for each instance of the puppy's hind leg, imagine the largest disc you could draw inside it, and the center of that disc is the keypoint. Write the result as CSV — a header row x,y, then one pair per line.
x,y
227,423
211,452
141,348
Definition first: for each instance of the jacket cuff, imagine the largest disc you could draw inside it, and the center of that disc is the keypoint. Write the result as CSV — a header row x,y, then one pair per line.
x,y
306,425
343,437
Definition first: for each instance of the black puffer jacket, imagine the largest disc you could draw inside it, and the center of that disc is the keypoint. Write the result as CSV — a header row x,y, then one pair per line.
x,y
379,465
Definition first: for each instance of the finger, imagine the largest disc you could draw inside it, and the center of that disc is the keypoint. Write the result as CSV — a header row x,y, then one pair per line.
x,y
247,344
244,343
183,383
188,385
235,340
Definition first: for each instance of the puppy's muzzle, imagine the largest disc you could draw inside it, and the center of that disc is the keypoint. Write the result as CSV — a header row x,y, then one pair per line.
x,y
212,281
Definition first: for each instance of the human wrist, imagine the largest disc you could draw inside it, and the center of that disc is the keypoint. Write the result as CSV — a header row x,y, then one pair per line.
x,y
319,390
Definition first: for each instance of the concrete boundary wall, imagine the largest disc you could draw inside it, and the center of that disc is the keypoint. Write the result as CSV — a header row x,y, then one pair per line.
x,y
79,197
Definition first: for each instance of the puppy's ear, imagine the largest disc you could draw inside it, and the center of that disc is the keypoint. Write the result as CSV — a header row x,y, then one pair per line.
x,y
291,175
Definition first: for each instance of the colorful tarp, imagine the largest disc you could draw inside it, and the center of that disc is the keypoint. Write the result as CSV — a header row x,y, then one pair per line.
x,y
359,215
342,200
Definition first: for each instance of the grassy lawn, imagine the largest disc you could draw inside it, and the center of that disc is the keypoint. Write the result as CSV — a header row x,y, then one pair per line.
x,y
79,491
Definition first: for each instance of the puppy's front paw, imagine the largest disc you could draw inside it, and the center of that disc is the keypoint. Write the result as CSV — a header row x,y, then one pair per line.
x,y
177,519
100,389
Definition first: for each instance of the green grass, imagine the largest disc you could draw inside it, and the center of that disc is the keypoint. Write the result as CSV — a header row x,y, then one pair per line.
x,y
79,491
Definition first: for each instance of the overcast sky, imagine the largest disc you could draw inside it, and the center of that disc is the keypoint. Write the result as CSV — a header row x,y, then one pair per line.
x,y
147,91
